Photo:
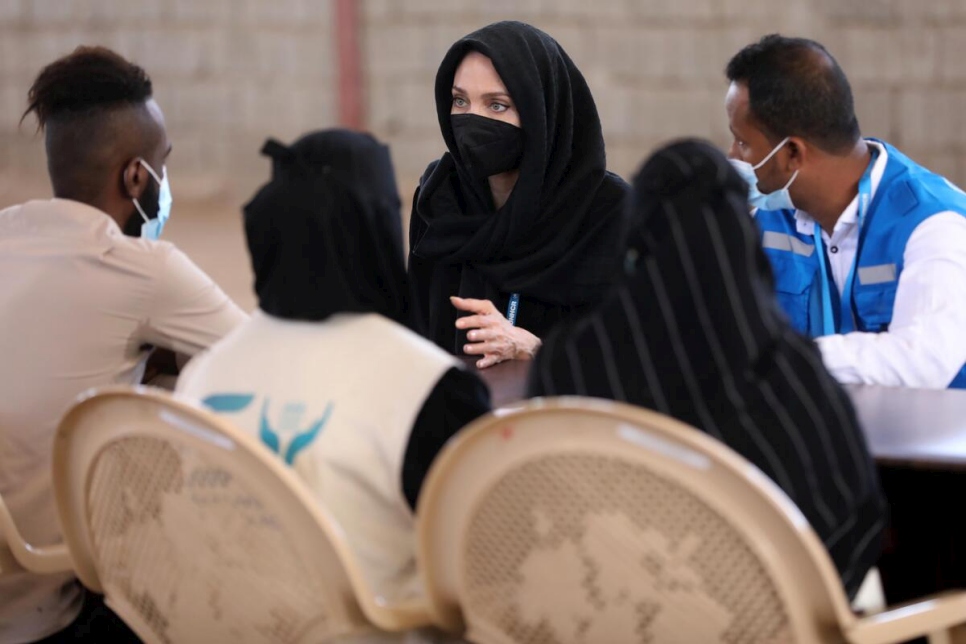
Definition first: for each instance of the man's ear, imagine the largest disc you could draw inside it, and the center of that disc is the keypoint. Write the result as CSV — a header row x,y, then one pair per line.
x,y
134,179
798,153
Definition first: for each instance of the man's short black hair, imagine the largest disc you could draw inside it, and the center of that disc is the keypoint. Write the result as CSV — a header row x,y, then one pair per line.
x,y
796,88
88,80
92,104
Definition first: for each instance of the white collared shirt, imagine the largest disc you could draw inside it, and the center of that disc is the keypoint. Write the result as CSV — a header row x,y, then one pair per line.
x,y
925,345
78,302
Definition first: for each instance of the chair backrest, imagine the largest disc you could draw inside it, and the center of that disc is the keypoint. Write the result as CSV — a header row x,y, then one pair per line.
x,y
8,561
577,520
194,531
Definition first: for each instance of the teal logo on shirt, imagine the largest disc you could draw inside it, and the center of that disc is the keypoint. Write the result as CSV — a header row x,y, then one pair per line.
x,y
227,403
290,422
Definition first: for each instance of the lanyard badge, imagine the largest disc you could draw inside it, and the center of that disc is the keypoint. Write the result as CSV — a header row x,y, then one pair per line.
x,y
513,308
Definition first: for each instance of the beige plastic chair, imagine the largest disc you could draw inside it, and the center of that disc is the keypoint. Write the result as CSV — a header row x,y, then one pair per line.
x,y
196,533
17,555
575,520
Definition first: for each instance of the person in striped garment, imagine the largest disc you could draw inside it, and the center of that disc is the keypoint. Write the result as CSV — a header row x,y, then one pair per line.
x,y
694,331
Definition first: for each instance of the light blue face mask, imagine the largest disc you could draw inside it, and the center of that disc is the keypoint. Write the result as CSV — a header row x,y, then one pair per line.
x,y
151,228
778,200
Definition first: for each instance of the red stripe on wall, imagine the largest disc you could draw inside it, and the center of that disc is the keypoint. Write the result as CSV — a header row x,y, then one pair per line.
x,y
347,29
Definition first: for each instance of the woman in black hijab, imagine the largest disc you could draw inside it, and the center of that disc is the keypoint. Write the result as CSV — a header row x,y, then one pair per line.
x,y
519,224
327,373
694,331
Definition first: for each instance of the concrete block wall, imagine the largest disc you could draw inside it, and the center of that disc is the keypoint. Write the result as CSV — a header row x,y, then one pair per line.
x,y
656,66
228,73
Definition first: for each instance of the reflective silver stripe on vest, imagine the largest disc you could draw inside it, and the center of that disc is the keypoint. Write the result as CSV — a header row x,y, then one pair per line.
x,y
781,241
877,274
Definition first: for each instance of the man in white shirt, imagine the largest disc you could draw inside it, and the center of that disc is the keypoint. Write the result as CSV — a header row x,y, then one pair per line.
x,y
867,247
87,292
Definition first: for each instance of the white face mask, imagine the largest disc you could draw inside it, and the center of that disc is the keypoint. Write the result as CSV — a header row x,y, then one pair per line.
x,y
778,200
151,228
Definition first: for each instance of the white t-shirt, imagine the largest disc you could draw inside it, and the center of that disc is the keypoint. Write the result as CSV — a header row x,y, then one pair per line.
x,y
78,301
336,400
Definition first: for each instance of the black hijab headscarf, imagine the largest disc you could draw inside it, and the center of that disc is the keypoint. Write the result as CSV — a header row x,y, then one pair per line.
x,y
557,239
325,233
694,331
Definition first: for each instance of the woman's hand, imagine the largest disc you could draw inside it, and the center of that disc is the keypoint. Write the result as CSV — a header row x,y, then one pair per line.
x,y
491,335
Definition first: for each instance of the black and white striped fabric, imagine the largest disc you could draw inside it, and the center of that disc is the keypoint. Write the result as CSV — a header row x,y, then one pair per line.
x,y
694,331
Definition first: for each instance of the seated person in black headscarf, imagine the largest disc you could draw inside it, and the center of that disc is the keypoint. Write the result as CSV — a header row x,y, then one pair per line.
x,y
326,373
519,224
694,331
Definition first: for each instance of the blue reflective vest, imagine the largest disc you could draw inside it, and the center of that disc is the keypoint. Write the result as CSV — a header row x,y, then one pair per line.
x,y
907,195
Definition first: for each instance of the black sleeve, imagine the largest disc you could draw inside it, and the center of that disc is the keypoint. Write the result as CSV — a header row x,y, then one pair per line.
x,y
419,272
458,398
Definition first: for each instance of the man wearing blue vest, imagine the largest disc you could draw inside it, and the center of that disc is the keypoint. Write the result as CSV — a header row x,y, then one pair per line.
x,y
867,247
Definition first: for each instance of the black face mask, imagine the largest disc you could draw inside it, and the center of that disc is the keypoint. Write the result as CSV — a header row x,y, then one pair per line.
x,y
487,146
